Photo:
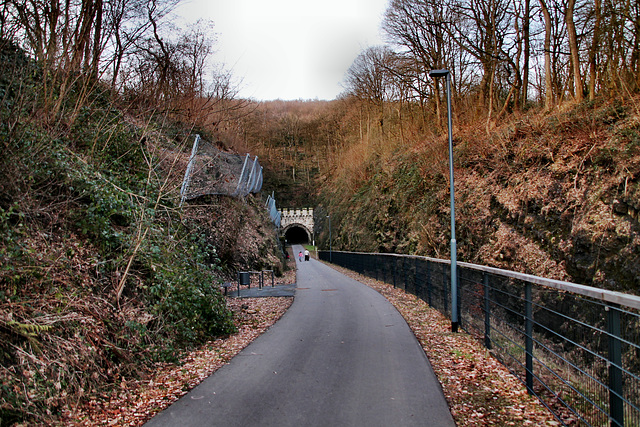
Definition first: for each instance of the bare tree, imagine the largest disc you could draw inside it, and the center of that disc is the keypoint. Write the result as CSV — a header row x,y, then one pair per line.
x,y
620,46
418,27
574,52
74,41
368,79
526,35
548,87
593,49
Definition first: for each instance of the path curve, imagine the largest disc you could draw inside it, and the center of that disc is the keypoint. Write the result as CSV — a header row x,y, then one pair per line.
x,y
340,356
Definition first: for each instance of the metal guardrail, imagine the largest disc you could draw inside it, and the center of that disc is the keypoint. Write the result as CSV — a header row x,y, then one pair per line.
x,y
245,279
575,347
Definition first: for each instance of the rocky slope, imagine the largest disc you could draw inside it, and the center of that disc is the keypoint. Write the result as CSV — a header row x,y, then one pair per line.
x,y
555,195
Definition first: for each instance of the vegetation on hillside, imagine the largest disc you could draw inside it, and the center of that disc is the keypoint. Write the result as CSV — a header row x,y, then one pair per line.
x,y
553,195
295,140
546,171
546,131
102,274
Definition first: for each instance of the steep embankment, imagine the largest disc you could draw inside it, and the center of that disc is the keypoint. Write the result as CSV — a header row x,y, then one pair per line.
x,y
555,195
101,273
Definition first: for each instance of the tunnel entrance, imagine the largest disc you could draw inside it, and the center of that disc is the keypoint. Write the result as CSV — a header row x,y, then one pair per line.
x,y
296,225
297,234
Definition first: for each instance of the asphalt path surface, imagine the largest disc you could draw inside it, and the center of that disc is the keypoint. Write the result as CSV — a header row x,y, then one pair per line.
x,y
340,356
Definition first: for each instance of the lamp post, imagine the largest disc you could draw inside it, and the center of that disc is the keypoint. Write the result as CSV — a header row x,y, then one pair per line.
x,y
454,280
330,251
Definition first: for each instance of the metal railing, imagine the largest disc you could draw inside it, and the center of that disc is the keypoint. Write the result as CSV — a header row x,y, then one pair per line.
x,y
245,278
575,347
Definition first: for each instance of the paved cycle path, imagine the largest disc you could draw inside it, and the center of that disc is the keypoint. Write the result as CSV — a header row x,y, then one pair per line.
x,y
340,356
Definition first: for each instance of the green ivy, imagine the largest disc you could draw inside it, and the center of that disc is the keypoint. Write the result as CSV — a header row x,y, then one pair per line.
x,y
184,290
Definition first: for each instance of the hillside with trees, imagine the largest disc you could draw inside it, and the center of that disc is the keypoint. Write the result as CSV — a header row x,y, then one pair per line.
x,y
295,140
102,274
546,133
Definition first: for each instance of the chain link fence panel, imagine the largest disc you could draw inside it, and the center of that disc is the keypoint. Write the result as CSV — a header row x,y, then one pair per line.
x,y
274,214
211,171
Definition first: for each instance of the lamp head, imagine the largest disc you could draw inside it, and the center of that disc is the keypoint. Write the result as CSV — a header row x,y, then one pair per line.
x,y
438,73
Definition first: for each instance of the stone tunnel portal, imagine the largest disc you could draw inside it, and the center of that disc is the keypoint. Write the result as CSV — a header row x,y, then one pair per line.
x,y
297,225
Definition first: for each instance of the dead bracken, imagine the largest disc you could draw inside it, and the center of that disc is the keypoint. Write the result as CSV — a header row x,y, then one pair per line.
x,y
478,388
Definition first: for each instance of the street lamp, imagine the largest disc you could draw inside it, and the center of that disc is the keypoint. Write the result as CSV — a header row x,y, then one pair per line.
x,y
454,280
330,252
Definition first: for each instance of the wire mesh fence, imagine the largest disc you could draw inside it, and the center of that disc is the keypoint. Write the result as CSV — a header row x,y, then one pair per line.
x,y
274,214
211,171
575,347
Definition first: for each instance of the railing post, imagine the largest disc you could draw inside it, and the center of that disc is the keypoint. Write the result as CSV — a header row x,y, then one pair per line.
x,y
384,269
395,267
445,282
429,283
366,262
616,403
404,272
487,311
373,267
415,277
528,326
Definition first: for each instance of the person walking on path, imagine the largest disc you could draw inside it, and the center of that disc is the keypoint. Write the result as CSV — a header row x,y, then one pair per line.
x,y
306,255
300,256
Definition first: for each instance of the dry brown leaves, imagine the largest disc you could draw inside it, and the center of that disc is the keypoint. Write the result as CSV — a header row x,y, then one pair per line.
x,y
478,388
136,401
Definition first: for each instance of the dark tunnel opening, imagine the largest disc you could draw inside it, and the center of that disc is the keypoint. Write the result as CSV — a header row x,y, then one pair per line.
x,y
296,235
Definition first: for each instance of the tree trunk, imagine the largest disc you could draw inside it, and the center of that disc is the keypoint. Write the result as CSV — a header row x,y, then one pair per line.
x,y
491,89
97,40
527,53
593,68
548,81
438,104
573,49
635,52
515,63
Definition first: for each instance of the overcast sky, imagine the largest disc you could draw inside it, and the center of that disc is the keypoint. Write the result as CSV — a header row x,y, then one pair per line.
x,y
289,49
